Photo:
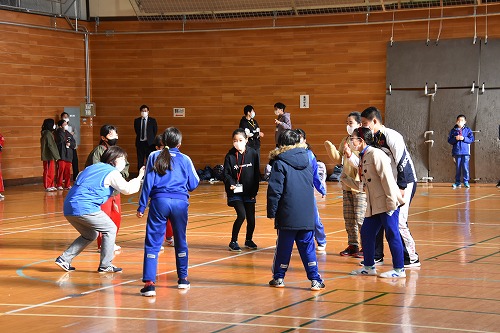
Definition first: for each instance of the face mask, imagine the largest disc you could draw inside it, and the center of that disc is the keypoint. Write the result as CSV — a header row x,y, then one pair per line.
x,y
240,146
65,127
460,123
252,114
144,114
350,129
120,165
112,142
54,127
66,120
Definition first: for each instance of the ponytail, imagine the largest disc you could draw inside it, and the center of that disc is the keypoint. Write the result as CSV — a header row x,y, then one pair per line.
x,y
162,163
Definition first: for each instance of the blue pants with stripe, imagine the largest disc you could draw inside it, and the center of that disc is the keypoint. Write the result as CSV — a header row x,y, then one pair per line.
x,y
319,229
161,209
462,166
305,244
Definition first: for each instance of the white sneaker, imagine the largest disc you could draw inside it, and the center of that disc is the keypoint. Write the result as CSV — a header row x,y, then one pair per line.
x,y
1,196
117,248
60,188
321,248
366,270
170,242
393,274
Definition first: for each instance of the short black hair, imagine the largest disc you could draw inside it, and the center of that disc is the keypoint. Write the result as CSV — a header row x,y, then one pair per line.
x,y
280,105
144,106
48,124
112,153
356,115
105,129
461,116
61,122
288,138
240,131
372,112
64,113
247,109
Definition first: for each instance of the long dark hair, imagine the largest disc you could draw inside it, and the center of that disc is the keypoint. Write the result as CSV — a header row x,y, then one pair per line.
x,y
112,153
367,135
48,124
172,137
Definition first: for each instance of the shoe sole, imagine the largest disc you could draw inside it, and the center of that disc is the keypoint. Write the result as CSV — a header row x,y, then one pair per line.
x,y
183,286
417,264
317,288
105,272
277,286
348,255
380,263
250,248
392,277
232,250
149,293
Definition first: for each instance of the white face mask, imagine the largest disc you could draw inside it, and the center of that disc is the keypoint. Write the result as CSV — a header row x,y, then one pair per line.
x,y
65,127
461,123
66,120
252,114
239,145
54,127
120,165
144,114
351,129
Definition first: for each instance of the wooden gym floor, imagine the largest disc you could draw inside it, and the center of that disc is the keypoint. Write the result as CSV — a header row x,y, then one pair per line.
x,y
457,289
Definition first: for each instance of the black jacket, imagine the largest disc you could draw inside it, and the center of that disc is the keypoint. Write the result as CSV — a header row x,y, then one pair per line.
x,y
62,137
250,172
253,126
151,130
290,193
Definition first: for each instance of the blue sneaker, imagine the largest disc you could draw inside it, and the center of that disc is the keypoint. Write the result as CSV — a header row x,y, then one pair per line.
x,y
466,185
64,265
456,185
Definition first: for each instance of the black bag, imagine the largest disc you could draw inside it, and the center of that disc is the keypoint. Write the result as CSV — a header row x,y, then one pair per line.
x,y
335,176
218,172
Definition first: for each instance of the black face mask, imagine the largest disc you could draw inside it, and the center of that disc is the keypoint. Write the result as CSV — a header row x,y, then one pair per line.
x,y
112,142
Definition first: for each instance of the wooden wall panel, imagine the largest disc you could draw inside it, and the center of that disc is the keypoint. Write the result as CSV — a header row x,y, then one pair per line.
x,y
213,74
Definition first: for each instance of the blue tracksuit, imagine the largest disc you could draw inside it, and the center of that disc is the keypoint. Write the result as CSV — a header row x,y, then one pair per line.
x,y
290,201
319,231
169,200
461,151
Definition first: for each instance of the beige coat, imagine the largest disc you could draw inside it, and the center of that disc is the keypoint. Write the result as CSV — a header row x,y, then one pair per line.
x,y
336,156
382,191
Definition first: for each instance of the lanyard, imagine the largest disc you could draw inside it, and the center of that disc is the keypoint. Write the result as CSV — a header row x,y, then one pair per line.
x,y
252,123
238,174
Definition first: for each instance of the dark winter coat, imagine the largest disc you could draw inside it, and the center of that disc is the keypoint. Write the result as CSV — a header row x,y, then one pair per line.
x,y
290,193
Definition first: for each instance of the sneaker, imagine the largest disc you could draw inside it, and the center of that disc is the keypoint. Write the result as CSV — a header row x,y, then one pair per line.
x,y
148,290
183,284
321,248
60,188
317,285
351,250
359,254
109,269
117,248
2,196
233,246
365,270
466,185
170,242
68,188
409,264
393,274
378,262
249,244
64,265
50,189
277,283
456,185
162,248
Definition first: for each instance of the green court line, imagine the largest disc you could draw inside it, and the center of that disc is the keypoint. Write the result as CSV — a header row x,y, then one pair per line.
x,y
461,248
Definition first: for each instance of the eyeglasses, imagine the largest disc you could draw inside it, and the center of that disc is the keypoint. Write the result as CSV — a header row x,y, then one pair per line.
x,y
354,138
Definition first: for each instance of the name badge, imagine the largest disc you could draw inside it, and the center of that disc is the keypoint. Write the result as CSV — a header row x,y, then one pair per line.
x,y
238,188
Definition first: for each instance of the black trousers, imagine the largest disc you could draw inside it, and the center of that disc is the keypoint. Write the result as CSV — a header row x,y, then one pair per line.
x,y
143,151
243,210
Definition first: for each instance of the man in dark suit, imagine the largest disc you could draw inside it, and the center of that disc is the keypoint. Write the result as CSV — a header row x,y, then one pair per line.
x,y
145,130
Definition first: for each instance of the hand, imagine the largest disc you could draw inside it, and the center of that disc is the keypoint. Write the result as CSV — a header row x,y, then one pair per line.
x,y
461,138
232,187
261,134
139,214
277,122
347,150
402,192
141,172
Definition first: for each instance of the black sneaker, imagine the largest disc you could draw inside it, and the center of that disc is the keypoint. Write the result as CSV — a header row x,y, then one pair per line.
x,y
410,264
64,265
233,246
277,283
183,284
109,269
498,184
148,290
249,244
317,285
351,250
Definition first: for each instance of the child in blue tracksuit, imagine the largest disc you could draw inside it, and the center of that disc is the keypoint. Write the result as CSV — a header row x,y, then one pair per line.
x,y
169,176
319,231
290,202
461,137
